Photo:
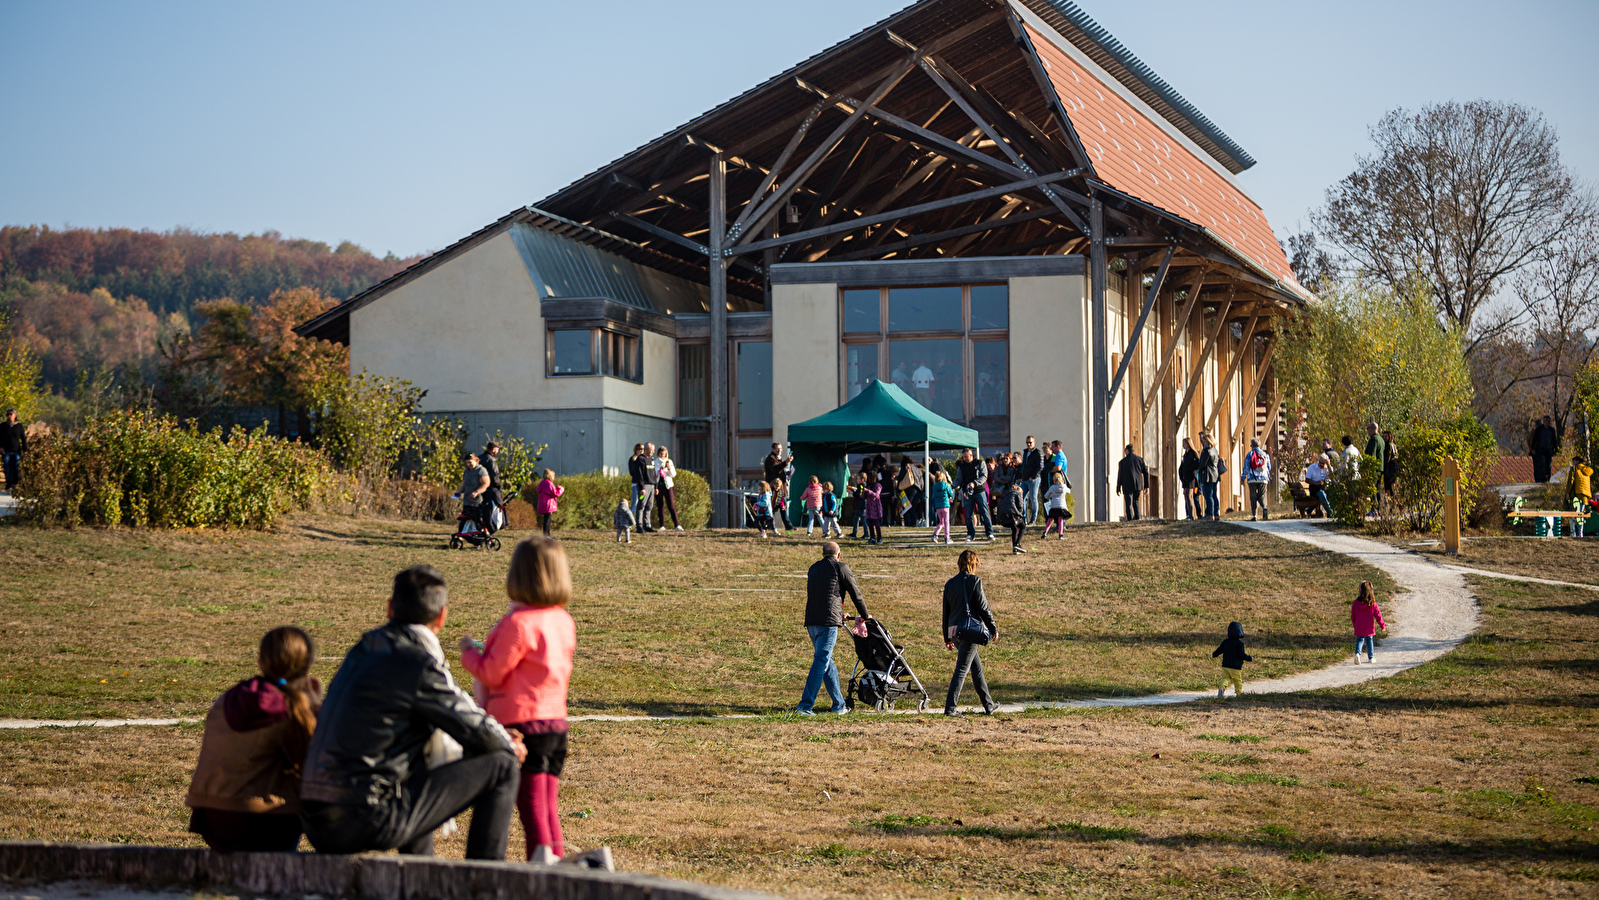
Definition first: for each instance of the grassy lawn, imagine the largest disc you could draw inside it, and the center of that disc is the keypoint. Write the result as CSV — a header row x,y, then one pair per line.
x,y
141,623
1561,559
1472,776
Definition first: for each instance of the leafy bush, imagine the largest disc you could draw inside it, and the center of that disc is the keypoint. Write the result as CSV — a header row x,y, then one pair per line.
x,y
19,373
1419,493
137,468
520,515
365,424
590,499
1353,494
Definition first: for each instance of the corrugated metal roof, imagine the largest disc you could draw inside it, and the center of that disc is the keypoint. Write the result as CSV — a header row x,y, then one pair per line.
x,y
563,266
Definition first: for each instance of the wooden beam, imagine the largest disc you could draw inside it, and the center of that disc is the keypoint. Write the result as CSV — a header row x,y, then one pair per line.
x,y
662,233
880,218
721,435
989,224
1179,327
1138,329
1254,391
1035,65
1098,272
782,160
1204,357
1224,386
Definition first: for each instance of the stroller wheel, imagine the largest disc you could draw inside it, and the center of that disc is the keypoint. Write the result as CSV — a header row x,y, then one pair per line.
x,y
880,705
888,705
455,543
494,543
921,705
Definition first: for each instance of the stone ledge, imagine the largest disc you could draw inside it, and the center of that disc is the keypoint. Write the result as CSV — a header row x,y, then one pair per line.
x,y
365,876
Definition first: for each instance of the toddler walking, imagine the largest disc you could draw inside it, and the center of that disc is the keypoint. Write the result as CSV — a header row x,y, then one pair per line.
x,y
763,510
1233,658
874,512
548,493
1055,510
624,522
830,511
812,499
525,665
1366,618
942,493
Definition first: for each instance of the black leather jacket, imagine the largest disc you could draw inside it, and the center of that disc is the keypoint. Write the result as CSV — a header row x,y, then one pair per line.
x,y
385,701
826,583
960,591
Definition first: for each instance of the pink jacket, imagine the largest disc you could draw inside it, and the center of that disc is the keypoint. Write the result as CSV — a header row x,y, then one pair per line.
x,y
1366,619
548,492
525,664
812,497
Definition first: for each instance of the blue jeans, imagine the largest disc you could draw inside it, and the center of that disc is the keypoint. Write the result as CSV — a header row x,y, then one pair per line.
x,y
1212,510
1369,642
812,518
1030,499
13,469
979,501
1326,505
822,669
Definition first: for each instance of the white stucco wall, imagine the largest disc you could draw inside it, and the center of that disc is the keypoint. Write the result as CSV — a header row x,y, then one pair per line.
x,y
1050,370
805,353
470,332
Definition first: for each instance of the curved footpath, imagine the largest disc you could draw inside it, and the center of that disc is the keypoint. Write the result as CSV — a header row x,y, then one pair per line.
x,y
1433,615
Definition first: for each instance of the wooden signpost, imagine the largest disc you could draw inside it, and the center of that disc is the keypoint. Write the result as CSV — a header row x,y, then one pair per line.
x,y
1451,505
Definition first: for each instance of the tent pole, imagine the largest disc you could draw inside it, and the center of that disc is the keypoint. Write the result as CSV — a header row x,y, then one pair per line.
x,y
927,483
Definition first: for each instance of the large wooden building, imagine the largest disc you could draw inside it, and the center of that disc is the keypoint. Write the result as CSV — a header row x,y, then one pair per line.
x,y
992,204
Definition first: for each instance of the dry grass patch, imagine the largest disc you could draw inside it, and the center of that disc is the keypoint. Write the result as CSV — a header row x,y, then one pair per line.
x,y
1561,559
156,623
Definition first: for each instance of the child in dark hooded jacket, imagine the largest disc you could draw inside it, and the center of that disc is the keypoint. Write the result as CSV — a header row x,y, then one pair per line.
x,y
1233,658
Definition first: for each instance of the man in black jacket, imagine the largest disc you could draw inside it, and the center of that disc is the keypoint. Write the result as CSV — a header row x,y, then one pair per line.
x,y
971,480
489,460
13,443
826,583
1032,470
1545,443
366,783
1132,476
649,478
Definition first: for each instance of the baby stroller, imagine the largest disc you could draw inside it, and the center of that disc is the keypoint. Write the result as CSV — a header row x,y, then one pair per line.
x,y
880,666
470,529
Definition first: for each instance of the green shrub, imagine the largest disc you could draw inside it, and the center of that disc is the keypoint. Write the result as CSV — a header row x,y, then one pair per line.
x,y
590,499
138,468
1419,492
1352,496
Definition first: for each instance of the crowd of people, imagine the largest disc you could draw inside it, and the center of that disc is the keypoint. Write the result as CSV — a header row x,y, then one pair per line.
x,y
1346,461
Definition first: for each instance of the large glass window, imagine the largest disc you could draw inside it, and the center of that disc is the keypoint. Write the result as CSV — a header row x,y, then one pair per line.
x,y
755,386
571,352
990,306
993,378
752,451
924,309
930,371
860,368
861,311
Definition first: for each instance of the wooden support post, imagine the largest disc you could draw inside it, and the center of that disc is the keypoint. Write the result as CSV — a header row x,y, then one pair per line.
x,y
1099,374
1166,389
721,419
1451,505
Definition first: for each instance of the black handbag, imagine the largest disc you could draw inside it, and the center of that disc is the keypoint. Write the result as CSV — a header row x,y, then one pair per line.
x,y
971,629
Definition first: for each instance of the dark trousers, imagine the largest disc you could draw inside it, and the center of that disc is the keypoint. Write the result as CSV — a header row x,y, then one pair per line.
x,y
544,523
1130,509
665,503
1540,467
485,784
13,469
966,661
1018,527
246,832
977,502
1257,498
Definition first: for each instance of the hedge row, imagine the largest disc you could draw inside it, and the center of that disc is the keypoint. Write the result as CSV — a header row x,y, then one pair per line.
x,y
590,499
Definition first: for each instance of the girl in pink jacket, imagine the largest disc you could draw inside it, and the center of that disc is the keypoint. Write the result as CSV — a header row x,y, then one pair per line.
x,y
548,493
1366,618
525,665
812,498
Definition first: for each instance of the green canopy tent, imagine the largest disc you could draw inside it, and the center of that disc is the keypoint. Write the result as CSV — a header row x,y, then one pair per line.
x,y
882,418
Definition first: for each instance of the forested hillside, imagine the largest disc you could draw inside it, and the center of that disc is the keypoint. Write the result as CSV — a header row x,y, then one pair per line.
x,y
107,300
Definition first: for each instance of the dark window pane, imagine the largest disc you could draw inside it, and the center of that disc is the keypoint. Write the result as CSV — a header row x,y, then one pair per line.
x,y
861,311
754,386
570,352
924,309
693,368
860,368
694,454
752,451
990,306
993,378
930,371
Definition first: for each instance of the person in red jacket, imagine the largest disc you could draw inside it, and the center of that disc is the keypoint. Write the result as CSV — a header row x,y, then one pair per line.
x,y
1366,618
525,665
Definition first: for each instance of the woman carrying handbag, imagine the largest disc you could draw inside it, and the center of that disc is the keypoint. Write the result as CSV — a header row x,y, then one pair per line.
x,y
968,624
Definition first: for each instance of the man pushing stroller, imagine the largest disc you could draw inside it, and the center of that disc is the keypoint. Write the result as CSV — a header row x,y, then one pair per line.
x,y
826,583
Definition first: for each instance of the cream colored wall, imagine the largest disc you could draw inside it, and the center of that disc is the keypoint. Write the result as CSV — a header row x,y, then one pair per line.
x,y
470,333
1049,370
805,354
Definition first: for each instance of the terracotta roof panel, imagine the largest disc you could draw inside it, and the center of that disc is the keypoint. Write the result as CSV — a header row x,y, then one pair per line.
x,y
1134,154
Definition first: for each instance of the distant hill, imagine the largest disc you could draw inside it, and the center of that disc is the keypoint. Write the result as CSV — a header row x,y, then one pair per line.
x,y
172,270
88,300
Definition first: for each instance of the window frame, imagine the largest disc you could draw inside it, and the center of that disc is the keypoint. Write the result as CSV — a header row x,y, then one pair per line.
x,y
632,338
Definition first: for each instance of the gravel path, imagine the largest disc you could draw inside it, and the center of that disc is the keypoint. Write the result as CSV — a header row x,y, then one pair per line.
x,y
1434,615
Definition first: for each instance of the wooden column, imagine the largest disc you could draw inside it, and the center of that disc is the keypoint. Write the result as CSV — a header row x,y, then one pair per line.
x,y
721,418
1170,503
1099,375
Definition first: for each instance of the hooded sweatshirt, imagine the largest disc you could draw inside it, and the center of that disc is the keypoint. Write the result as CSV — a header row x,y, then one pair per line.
x,y
1231,650
245,764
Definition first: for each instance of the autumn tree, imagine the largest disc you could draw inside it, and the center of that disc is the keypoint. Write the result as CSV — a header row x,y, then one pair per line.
x,y
1461,195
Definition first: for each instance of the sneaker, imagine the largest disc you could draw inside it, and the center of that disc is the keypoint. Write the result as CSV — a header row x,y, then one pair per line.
x,y
971,538
1021,549
544,856
1357,659
990,709
949,541
954,714
590,859
1369,660
1251,518
841,710
1061,538
1221,692
679,528
805,712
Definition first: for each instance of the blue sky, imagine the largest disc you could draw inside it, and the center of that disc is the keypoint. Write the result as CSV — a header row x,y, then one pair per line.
x,y
404,126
